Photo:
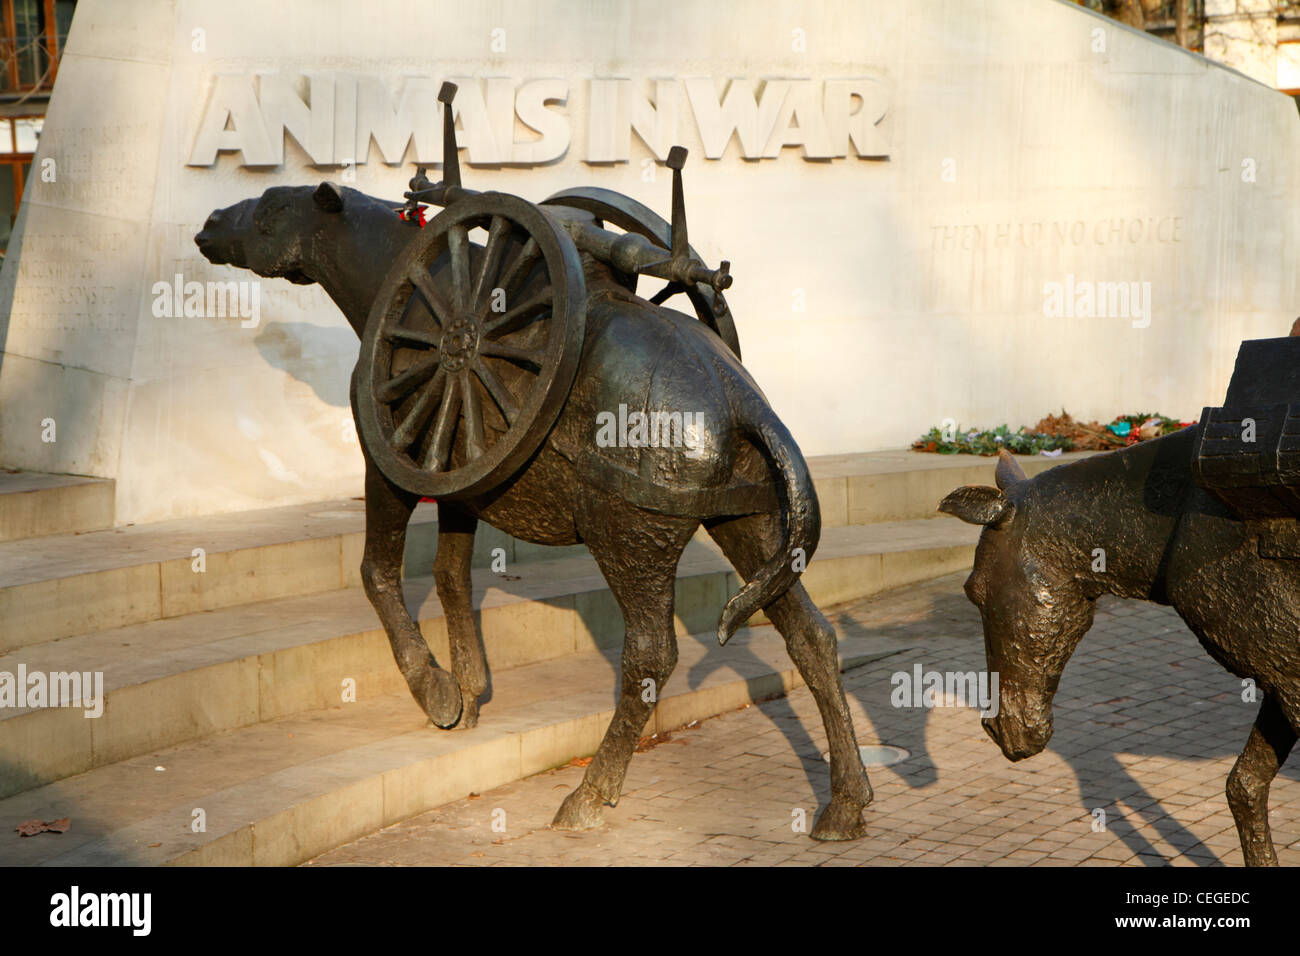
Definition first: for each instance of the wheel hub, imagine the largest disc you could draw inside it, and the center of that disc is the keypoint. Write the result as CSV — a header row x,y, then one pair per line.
x,y
459,344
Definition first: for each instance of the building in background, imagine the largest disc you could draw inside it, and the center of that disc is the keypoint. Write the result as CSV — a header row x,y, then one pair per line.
x,y
32,32
896,263
1261,38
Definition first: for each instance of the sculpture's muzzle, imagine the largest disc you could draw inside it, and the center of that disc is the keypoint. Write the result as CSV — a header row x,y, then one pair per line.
x,y
1017,737
221,238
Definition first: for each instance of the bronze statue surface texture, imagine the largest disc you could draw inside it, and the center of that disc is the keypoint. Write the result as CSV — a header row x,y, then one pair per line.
x,y
493,339
1176,523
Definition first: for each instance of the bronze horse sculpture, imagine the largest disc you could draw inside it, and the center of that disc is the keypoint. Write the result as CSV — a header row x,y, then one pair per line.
x,y
744,478
1161,538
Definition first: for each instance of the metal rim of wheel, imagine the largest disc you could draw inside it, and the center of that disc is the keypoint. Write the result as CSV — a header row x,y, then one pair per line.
x,y
470,351
632,216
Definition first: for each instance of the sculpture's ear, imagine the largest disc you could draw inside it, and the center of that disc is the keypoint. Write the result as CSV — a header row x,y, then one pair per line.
x,y
1009,471
979,504
329,197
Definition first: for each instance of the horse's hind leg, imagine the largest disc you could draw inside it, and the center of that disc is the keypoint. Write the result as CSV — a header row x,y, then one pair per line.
x,y
748,543
637,553
388,509
1271,740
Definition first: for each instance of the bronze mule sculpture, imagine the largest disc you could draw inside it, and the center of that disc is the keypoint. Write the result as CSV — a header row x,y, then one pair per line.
x,y
1164,540
747,483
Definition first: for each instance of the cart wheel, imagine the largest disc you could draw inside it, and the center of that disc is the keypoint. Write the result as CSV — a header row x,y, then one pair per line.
x,y
470,350
631,216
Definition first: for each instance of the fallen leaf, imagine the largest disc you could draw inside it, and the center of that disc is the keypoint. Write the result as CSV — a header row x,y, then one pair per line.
x,y
33,827
154,845
578,762
654,740
473,796
477,853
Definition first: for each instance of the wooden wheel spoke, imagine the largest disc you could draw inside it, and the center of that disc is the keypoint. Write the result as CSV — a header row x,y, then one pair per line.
x,y
511,319
497,241
520,267
415,421
512,353
413,335
440,447
472,408
441,310
458,249
451,404
497,389
400,384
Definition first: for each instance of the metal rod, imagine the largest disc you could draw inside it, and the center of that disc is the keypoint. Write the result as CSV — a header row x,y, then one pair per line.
x,y
450,152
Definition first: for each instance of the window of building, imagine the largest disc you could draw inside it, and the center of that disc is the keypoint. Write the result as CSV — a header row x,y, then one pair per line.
x,y
18,137
32,33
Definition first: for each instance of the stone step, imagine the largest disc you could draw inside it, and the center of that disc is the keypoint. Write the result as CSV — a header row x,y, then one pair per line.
x,y
281,792
33,504
58,586
901,485
62,585
179,679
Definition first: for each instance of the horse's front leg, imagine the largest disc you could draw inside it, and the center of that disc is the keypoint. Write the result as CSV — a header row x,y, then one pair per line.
x,y
1271,740
388,509
451,575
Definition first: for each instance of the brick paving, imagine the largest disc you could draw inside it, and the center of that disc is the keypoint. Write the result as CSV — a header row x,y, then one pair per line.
x,y
1147,728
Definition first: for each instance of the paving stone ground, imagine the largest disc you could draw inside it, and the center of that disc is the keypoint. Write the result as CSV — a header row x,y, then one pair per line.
x,y
1147,728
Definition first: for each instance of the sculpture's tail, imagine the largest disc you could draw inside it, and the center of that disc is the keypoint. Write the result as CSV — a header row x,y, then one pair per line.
x,y
801,521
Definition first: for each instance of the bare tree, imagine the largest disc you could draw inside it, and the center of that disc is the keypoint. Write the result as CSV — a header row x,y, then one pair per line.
x,y
1126,11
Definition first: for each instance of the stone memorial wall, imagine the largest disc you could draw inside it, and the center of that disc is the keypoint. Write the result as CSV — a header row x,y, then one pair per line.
x,y
978,211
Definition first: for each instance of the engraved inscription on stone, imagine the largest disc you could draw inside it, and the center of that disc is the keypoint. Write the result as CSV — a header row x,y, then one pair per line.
x,y
1108,231
68,283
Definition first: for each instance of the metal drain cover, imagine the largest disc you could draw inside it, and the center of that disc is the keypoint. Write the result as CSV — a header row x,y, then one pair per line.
x,y
878,755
